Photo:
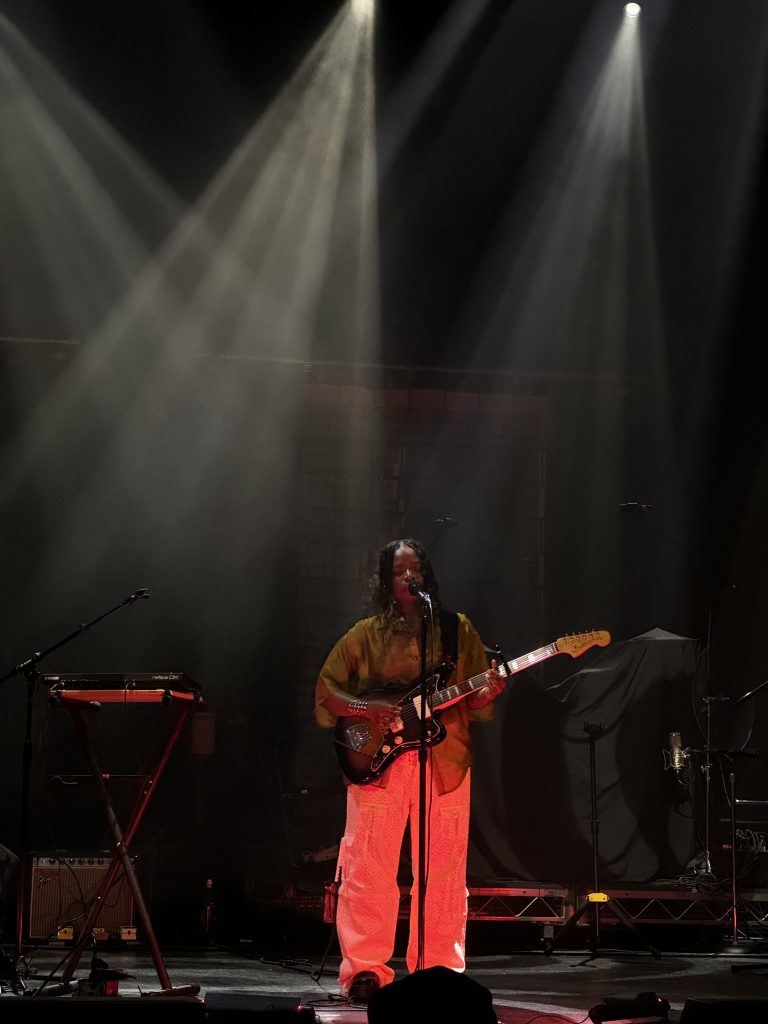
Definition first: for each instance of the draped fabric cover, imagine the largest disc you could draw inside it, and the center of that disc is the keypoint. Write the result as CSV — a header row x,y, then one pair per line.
x,y
531,795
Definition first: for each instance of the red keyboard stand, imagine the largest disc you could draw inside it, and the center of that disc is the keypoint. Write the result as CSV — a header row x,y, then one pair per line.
x,y
80,703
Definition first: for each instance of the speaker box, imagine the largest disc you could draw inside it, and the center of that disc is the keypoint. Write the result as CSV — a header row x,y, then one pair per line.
x,y
435,994
724,1011
240,1007
63,888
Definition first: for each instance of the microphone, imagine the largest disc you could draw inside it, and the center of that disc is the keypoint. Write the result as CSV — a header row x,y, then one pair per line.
x,y
417,589
446,521
635,506
678,758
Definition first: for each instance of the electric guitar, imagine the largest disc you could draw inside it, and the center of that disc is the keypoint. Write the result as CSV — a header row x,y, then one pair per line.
x,y
365,750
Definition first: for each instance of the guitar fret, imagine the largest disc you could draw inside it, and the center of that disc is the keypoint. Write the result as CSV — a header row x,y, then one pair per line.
x,y
533,658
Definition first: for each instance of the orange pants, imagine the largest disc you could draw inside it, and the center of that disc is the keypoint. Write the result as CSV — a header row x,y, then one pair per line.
x,y
369,897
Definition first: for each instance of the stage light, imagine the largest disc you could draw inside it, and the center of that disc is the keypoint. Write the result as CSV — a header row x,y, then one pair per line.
x,y
363,10
632,10
646,1006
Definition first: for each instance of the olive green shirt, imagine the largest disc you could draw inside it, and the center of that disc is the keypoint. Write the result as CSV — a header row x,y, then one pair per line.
x,y
361,661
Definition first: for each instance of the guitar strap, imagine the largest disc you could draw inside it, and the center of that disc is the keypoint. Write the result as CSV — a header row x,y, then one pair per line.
x,y
449,630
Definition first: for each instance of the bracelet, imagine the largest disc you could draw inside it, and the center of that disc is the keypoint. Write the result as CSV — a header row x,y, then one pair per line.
x,y
358,707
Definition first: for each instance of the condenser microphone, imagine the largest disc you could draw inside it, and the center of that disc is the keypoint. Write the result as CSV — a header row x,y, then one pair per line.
x,y
635,506
677,756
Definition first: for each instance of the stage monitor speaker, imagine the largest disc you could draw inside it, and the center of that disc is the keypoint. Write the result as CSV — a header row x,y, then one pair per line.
x,y
62,890
239,1007
724,1011
436,994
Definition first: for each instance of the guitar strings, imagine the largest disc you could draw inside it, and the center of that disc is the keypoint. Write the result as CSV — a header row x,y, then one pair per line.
x,y
410,711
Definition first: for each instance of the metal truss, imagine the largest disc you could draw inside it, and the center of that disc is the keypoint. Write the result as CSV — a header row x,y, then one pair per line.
x,y
553,904
546,905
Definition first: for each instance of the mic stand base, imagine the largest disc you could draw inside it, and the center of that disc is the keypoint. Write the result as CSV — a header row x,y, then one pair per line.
x,y
592,906
745,947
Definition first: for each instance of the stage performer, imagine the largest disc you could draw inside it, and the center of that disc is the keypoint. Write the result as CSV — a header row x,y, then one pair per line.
x,y
384,651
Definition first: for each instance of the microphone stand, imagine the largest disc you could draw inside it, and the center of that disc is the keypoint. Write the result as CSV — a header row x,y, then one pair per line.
x,y
421,885
705,860
735,946
30,672
595,898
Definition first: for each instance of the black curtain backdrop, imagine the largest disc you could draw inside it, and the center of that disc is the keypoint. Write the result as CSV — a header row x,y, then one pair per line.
x,y
531,783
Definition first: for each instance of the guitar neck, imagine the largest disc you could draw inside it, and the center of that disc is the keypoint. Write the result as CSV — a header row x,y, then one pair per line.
x,y
453,693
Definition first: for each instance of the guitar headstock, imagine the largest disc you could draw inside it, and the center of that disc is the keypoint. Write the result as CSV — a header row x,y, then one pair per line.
x,y
576,643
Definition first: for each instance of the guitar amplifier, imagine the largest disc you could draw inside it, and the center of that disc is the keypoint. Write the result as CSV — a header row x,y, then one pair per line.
x,y
62,891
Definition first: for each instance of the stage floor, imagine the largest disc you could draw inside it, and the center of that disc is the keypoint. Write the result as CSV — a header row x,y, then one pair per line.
x,y
563,986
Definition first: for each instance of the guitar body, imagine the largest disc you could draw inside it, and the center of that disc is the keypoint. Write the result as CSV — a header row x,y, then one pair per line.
x,y
365,751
